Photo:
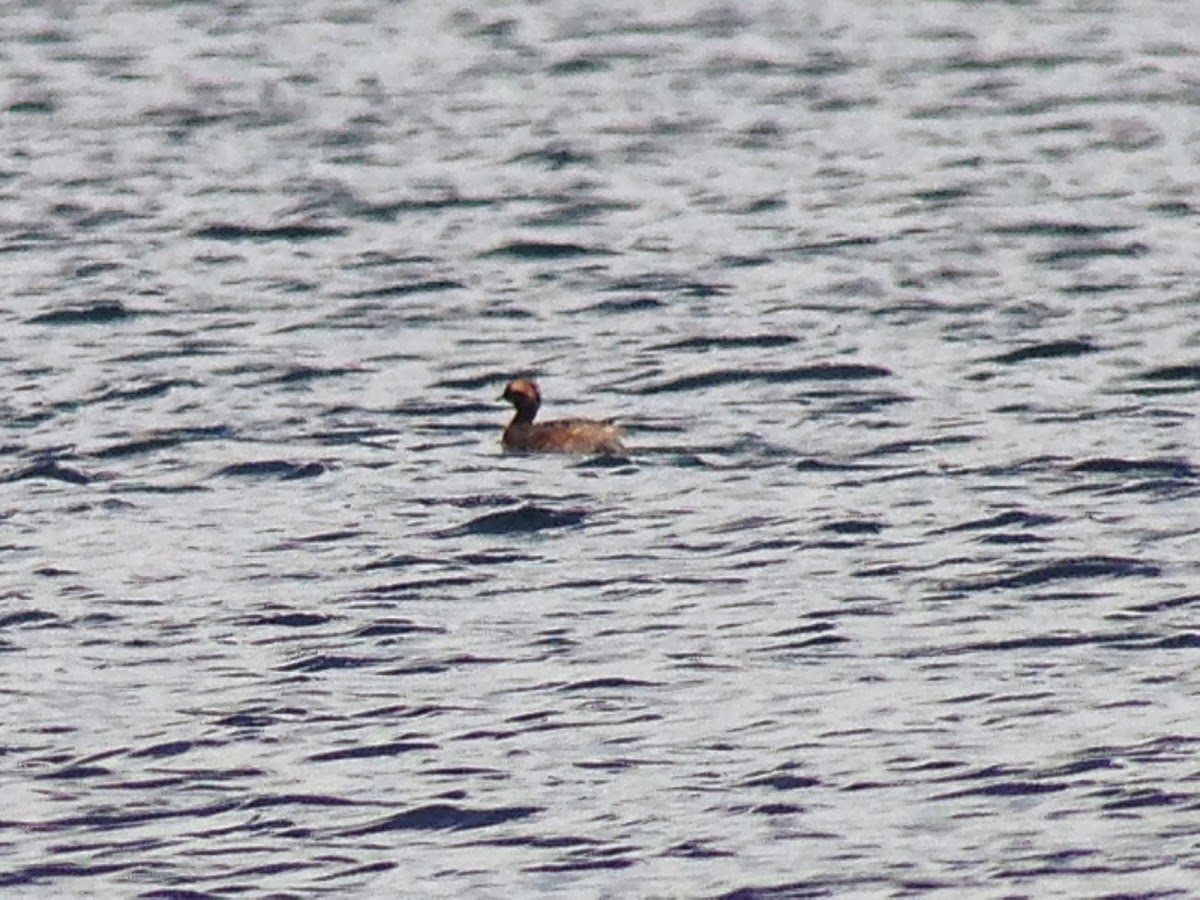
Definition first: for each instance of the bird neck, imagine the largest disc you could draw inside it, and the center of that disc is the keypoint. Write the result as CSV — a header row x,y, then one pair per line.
x,y
525,413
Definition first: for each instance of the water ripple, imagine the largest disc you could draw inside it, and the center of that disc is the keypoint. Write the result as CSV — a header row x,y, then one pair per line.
x,y
904,554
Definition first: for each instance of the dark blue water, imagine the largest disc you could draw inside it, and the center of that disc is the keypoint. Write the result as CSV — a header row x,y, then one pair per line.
x,y
896,595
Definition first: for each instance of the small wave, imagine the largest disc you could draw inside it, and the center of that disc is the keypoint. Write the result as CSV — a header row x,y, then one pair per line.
x,y
495,378
146,391
27,617
49,470
904,447
818,247
419,585
134,448
539,250
853,526
444,817
272,468
667,283
1173,373
431,286
231,232
525,519
820,372
606,684
304,374
782,781
1049,350
554,157
1002,520
390,211
631,305
170,748
286,620
52,872
1007,789
726,342
372,751
162,440
1039,228
1170,603
1066,570
1115,466
102,312
396,628
399,561
324,537
1042,642
1083,252
321,662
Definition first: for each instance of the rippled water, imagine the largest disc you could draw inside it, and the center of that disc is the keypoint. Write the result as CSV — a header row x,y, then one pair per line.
x,y
897,593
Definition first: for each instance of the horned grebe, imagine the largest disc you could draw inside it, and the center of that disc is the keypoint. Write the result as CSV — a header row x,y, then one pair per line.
x,y
559,436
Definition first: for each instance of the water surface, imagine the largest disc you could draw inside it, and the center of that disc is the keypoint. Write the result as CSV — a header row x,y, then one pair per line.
x,y
895,595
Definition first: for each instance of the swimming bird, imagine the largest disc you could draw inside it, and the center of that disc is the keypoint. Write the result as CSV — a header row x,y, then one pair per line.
x,y
558,436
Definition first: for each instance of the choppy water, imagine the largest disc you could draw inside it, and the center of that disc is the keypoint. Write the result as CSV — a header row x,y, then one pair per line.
x,y
897,594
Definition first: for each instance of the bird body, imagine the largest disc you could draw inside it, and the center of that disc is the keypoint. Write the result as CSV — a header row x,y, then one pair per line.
x,y
558,435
